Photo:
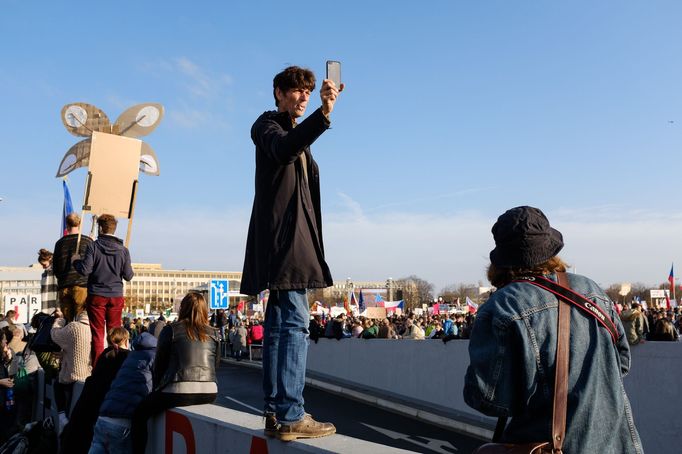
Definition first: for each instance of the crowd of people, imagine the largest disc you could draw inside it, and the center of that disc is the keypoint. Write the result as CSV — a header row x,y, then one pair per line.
x,y
657,324
131,369
146,368
404,326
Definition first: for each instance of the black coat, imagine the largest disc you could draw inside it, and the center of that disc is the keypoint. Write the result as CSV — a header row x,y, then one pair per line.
x,y
284,249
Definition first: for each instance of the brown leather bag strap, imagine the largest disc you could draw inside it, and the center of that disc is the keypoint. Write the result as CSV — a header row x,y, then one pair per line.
x,y
561,377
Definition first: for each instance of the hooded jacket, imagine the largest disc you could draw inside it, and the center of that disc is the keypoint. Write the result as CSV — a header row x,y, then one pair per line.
x,y
284,248
133,381
106,263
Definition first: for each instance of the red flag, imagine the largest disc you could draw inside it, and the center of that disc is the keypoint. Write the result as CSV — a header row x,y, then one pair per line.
x,y
436,308
345,304
671,280
353,301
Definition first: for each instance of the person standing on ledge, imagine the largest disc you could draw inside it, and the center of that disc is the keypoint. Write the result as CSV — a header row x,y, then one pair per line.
x,y
284,250
106,263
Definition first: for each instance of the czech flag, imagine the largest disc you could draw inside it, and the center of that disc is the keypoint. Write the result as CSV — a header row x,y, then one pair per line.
x,y
353,300
473,307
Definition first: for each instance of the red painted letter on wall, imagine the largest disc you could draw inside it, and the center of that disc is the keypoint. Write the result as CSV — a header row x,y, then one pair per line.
x,y
176,422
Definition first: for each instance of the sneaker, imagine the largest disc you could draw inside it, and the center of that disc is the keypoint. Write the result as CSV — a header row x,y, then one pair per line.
x,y
271,424
305,428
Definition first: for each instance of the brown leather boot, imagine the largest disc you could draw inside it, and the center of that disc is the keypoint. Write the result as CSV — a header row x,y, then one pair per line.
x,y
305,428
271,424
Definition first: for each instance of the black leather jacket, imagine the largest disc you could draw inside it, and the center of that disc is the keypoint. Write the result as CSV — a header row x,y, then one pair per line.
x,y
179,359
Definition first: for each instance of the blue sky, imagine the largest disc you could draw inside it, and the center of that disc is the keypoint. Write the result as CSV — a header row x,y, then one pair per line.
x,y
453,113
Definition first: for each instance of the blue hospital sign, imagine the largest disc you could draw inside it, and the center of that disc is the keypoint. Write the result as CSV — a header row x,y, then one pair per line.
x,y
220,294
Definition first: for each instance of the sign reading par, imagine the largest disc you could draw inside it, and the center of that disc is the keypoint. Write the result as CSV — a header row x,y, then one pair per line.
x,y
220,294
24,306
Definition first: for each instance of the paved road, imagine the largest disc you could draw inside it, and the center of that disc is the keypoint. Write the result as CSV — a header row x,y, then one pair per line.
x,y
239,388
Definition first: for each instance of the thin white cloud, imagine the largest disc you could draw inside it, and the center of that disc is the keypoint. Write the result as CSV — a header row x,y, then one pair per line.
x,y
411,202
354,207
201,94
199,81
189,118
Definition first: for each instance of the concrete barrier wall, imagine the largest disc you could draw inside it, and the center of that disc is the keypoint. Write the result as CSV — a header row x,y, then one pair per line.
x,y
430,374
213,429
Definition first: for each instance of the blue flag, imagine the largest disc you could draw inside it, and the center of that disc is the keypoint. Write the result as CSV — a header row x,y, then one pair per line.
x,y
361,302
67,209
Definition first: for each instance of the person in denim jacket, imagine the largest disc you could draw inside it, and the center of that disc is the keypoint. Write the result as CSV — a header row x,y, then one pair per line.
x,y
513,347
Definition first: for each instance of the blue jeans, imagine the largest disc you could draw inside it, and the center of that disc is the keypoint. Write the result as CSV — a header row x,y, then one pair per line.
x,y
111,439
285,349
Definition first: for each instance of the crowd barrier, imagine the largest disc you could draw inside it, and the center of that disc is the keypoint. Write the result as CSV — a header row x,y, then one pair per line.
x,y
429,375
214,429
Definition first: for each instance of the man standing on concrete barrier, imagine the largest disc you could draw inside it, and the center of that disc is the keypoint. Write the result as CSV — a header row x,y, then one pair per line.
x,y
72,286
106,263
284,250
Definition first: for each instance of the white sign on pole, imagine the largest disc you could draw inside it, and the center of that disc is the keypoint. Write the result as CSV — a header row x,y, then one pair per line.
x,y
147,308
25,306
139,313
658,293
336,310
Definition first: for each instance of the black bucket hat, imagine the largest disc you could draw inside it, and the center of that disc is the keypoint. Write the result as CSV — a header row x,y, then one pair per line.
x,y
523,239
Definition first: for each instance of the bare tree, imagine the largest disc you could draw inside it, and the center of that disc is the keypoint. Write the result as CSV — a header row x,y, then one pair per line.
x,y
316,294
415,291
613,292
461,291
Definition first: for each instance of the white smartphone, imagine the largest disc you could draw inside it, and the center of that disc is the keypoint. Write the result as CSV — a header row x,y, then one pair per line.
x,y
334,72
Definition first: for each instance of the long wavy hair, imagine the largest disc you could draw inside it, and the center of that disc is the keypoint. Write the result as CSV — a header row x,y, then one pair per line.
x,y
194,315
499,277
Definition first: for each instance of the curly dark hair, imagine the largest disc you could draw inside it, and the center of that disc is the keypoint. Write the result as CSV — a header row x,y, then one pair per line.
x,y
291,78
499,277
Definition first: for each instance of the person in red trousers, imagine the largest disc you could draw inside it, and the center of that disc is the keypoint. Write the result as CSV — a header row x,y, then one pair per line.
x,y
106,263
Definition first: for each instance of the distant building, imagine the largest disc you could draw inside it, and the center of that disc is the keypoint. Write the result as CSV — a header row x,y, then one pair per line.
x,y
20,280
151,285
162,288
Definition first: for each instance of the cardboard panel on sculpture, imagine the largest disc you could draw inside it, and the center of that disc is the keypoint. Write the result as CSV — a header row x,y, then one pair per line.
x,y
114,167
